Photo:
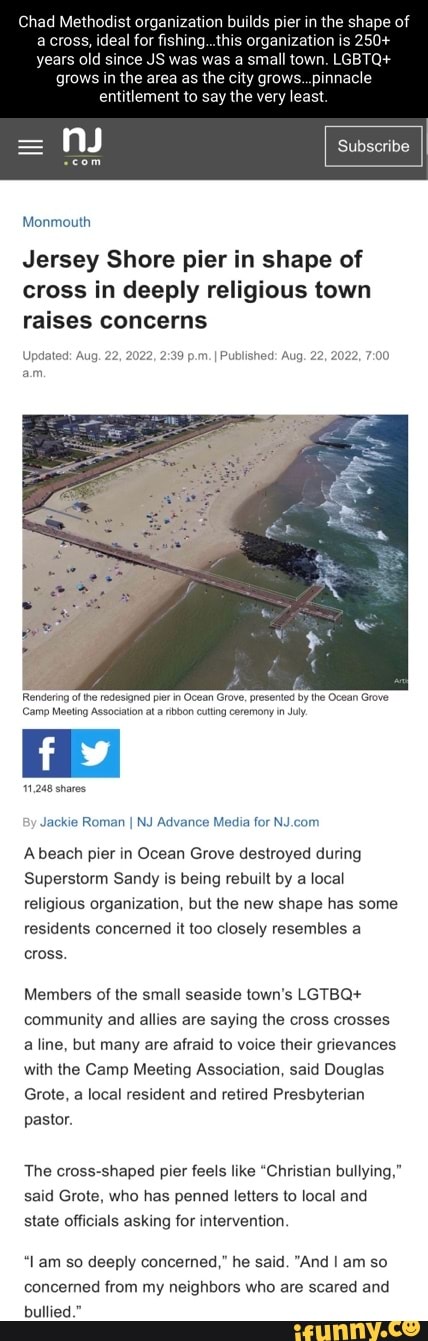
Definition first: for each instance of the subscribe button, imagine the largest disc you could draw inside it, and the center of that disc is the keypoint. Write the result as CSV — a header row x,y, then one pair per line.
x,y
373,146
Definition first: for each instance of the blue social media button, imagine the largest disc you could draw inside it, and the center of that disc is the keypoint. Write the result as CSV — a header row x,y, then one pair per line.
x,y
46,754
95,754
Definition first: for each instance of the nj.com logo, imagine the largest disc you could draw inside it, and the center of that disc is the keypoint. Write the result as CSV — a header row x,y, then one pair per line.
x,y
78,153
354,1331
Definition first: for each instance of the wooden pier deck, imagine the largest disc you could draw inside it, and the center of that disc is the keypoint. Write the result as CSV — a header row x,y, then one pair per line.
x,y
288,607
297,606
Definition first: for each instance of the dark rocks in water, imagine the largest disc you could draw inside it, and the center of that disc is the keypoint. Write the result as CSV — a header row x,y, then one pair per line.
x,y
332,442
295,560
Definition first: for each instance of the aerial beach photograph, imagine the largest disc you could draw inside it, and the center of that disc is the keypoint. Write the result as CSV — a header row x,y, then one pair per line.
x,y
214,552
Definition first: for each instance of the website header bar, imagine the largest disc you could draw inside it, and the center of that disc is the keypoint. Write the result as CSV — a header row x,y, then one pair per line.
x,y
200,150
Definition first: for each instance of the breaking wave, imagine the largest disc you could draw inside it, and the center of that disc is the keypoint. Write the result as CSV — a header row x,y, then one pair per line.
x,y
367,625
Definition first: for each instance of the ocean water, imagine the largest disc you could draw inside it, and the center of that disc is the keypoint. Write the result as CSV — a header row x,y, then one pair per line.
x,y
350,503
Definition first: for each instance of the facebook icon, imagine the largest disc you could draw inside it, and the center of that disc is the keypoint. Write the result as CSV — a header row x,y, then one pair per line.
x,y
46,755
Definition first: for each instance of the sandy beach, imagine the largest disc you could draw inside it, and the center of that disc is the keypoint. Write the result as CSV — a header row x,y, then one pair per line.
x,y
177,506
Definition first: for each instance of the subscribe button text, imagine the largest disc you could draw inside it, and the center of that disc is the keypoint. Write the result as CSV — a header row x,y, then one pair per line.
x,y
350,146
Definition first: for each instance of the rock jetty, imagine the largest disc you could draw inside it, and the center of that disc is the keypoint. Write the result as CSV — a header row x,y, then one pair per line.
x,y
295,560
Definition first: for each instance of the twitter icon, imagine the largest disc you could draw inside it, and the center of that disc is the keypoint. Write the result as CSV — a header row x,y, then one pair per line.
x,y
95,754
